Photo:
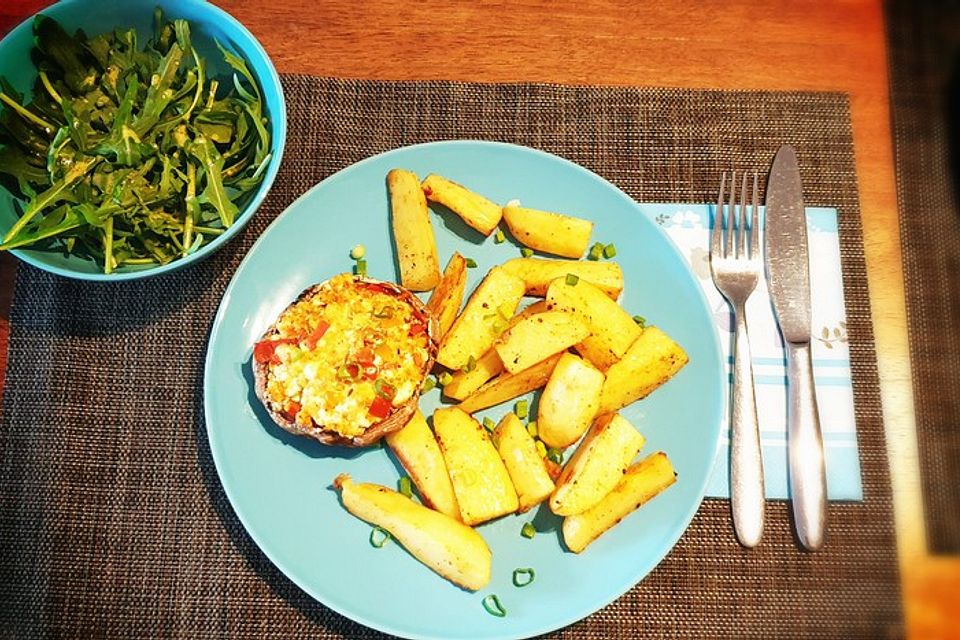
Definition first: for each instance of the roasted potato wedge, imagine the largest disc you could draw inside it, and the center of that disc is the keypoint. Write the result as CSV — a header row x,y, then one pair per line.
x,y
412,232
475,330
478,212
508,386
641,482
555,233
612,330
538,273
527,469
538,337
447,546
466,381
420,455
597,465
445,301
480,480
652,360
569,401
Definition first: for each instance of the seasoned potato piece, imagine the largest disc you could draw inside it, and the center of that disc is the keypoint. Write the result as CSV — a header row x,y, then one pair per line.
x,y
508,386
538,337
444,302
466,381
538,273
476,211
449,547
652,360
612,330
527,469
549,232
474,332
569,401
480,481
642,482
420,455
413,233
597,465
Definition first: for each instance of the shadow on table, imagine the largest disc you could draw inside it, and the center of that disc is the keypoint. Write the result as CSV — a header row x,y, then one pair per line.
x,y
282,586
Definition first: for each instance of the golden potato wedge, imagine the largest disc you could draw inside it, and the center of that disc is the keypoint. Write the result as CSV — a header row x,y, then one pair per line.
x,y
612,330
420,455
569,402
538,273
652,360
538,337
445,301
412,232
476,211
480,481
508,386
447,546
549,232
475,330
597,465
642,482
466,381
527,469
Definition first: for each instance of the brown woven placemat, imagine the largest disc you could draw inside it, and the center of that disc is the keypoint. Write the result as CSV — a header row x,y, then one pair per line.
x,y
924,55
112,518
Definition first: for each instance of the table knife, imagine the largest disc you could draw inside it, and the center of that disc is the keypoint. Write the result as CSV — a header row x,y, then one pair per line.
x,y
788,280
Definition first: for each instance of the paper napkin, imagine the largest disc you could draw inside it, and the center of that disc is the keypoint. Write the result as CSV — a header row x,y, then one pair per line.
x,y
688,227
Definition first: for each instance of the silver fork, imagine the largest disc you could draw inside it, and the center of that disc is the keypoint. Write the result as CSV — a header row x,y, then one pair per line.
x,y
736,269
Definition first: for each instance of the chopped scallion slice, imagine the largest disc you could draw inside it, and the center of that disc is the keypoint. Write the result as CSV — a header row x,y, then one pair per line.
x,y
492,604
379,537
555,455
532,430
528,530
445,378
384,389
361,268
405,487
489,424
572,279
498,237
526,252
523,577
523,408
428,385
640,320
541,449
595,251
609,251
358,252
471,263
470,366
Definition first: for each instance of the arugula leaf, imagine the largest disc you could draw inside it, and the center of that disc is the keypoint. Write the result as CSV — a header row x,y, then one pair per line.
x,y
214,193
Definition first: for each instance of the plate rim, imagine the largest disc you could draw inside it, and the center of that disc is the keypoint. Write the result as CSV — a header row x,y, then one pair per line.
x,y
557,623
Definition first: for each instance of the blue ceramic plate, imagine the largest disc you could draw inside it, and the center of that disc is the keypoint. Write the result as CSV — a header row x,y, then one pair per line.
x,y
279,484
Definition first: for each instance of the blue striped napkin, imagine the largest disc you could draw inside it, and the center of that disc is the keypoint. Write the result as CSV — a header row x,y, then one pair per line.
x,y
688,226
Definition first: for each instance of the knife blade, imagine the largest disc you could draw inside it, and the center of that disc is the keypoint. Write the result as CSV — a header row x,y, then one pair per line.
x,y
788,280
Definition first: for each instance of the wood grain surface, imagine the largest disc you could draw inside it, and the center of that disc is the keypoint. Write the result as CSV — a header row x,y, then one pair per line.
x,y
735,44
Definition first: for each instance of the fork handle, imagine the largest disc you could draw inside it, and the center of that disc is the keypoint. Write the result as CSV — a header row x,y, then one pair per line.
x,y
808,484
746,460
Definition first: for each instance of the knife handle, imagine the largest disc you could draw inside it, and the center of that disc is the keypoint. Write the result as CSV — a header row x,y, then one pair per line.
x,y
808,481
746,460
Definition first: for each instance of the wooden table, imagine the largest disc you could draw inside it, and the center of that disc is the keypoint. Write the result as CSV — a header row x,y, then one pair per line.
x,y
778,45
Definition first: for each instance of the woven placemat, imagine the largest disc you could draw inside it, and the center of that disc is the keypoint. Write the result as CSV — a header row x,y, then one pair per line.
x,y
925,98
113,519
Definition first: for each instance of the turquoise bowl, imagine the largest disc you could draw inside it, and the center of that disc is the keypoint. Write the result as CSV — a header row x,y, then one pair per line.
x,y
207,24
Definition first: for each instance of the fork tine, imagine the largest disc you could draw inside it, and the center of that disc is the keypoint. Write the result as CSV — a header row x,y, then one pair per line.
x,y
731,212
718,220
754,222
741,250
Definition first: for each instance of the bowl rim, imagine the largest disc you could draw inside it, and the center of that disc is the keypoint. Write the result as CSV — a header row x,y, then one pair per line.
x,y
251,207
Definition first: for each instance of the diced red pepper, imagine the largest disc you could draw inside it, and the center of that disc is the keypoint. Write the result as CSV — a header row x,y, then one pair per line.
x,y
417,329
266,350
427,191
380,407
314,337
292,409
364,356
